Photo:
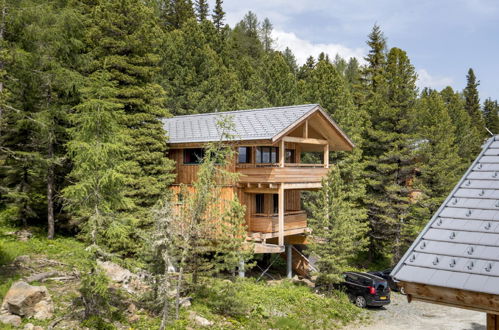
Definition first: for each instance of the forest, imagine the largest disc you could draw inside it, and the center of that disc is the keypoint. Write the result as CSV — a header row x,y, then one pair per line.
x,y
84,85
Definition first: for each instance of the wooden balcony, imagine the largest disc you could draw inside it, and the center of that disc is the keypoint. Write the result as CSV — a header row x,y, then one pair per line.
x,y
294,221
273,173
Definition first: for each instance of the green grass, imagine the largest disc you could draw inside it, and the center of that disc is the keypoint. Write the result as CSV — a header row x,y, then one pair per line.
x,y
252,305
239,304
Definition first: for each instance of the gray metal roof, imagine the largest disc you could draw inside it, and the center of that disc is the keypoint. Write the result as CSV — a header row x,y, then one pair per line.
x,y
459,247
253,124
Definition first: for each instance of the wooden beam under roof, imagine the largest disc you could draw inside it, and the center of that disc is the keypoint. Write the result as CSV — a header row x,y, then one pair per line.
x,y
478,301
295,139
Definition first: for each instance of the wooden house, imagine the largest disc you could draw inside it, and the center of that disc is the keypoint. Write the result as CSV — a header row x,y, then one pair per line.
x,y
455,259
270,144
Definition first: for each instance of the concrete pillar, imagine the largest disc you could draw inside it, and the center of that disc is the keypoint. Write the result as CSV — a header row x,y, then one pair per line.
x,y
289,261
241,268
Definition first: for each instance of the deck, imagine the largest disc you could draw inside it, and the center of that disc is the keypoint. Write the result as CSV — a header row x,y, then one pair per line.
x,y
290,173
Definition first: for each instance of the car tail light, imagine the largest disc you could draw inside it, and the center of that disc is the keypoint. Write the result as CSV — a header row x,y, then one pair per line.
x,y
372,290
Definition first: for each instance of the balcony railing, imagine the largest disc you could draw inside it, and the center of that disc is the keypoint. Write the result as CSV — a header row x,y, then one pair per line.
x,y
269,223
260,165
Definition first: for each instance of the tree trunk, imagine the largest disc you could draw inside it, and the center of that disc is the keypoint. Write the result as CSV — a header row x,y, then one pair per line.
x,y
164,312
177,293
2,31
50,193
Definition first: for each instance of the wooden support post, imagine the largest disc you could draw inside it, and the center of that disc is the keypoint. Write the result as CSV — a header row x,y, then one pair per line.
x,y
492,321
289,261
281,214
305,130
281,154
326,155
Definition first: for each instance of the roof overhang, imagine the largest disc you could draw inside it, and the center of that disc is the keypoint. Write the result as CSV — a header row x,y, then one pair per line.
x,y
336,138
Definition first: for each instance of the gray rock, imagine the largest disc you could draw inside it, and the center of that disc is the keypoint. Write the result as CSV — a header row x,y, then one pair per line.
x,y
27,300
11,319
199,320
125,278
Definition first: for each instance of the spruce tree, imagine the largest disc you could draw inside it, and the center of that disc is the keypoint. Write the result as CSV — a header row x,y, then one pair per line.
x,y
290,58
472,102
266,35
338,231
467,137
391,95
279,80
123,38
491,115
218,16
202,9
97,150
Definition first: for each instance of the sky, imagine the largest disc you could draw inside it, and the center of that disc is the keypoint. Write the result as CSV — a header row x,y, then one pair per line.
x,y
443,38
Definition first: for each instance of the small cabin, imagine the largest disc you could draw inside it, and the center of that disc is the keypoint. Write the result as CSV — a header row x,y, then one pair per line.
x,y
281,152
455,259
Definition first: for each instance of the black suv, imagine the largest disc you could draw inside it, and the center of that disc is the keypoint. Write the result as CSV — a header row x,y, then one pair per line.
x,y
366,289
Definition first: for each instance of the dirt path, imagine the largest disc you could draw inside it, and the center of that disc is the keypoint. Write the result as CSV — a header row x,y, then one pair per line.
x,y
419,315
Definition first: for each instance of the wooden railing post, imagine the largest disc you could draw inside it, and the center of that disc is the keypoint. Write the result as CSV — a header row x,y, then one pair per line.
x,y
492,321
326,155
281,214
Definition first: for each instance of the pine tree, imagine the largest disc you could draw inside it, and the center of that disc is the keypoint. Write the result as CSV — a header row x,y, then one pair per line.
x,y
218,15
174,13
266,35
279,80
467,136
202,9
389,143
290,58
123,38
97,149
472,102
491,115
338,231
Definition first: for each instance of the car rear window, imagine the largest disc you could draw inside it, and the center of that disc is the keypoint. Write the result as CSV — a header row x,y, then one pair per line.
x,y
381,286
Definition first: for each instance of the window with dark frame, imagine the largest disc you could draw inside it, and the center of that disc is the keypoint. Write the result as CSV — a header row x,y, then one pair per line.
x,y
259,198
244,155
276,202
266,155
289,156
193,156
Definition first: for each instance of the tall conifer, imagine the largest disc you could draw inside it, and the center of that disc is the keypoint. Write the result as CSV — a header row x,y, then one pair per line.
x,y
123,38
491,115
472,102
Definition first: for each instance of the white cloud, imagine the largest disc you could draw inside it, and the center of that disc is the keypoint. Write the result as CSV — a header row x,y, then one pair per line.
x,y
302,48
436,82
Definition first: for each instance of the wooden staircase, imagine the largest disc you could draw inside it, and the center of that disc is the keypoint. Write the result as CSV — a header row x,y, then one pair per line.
x,y
302,265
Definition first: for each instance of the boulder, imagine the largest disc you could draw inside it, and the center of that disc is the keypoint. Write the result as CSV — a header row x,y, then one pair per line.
x,y
30,326
125,278
27,300
199,320
11,319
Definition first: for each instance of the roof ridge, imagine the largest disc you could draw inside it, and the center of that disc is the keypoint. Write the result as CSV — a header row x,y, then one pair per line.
x,y
243,110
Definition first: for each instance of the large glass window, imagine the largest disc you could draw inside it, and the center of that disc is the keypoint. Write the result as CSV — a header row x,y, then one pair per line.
x,y
276,203
193,156
259,198
289,156
244,155
265,155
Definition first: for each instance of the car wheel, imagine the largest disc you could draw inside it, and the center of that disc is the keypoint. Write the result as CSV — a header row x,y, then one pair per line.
x,y
360,302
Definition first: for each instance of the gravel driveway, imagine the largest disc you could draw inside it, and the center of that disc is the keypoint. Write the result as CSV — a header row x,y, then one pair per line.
x,y
419,315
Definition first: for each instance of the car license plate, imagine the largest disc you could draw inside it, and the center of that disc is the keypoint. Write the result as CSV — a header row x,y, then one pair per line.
x,y
382,298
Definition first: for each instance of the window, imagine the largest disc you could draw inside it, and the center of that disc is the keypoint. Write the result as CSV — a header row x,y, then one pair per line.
x,y
265,155
259,203
276,203
193,156
244,155
289,156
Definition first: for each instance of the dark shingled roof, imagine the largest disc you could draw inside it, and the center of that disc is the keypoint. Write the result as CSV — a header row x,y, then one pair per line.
x,y
254,124
459,247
